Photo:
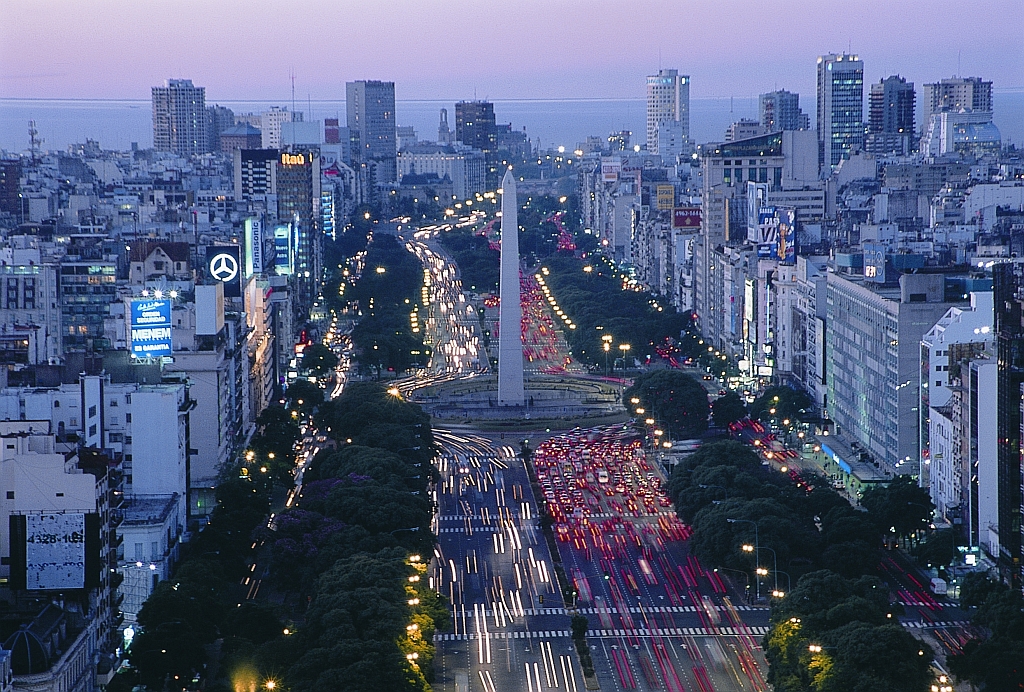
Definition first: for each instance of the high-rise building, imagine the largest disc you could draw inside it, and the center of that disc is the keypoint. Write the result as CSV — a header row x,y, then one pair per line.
x,y
370,111
780,110
298,203
475,124
890,116
956,94
743,129
1008,299
840,107
270,125
180,118
218,119
668,98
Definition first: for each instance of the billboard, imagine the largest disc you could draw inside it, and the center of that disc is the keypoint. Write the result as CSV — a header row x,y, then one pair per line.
x,y
150,328
776,234
253,246
55,551
666,197
874,262
757,194
611,166
284,263
686,217
223,264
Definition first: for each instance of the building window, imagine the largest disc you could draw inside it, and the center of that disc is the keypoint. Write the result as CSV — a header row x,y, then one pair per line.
x,y
113,403
127,418
92,411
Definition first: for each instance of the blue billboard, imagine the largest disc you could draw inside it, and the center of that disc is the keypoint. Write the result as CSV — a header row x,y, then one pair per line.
x,y
284,263
151,328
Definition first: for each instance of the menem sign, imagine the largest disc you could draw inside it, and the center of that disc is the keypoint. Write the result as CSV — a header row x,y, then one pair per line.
x,y
151,328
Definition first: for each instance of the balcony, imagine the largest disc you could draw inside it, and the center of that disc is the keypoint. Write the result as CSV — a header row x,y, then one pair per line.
x,y
114,539
116,579
116,517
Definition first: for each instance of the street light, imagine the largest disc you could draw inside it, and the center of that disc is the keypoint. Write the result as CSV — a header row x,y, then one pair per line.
x,y
625,349
757,582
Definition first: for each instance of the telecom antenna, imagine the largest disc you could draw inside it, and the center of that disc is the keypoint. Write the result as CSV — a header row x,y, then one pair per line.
x,y
292,71
34,140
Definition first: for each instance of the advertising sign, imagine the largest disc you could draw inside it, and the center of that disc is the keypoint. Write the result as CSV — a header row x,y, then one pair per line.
x,y
610,169
283,263
874,262
253,246
151,328
776,234
757,193
786,250
55,551
666,197
686,217
223,264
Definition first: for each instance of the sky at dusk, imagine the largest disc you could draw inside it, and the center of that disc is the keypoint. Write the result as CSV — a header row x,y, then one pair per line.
x,y
247,49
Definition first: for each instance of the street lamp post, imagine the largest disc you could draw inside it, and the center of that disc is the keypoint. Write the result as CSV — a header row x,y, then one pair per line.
x,y
625,349
606,345
757,545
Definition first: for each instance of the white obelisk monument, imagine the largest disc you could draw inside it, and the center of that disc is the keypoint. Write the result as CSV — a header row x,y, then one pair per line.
x,y
510,312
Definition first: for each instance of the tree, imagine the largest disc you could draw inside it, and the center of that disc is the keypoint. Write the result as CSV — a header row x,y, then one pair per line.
x,y
304,396
673,398
318,359
727,409
781,403
939,549
168,651
901,506
995,664
976,588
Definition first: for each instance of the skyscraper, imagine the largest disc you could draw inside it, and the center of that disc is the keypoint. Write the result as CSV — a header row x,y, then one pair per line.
x,y
475,124
780,110
956,94
179,118
370,111
840,107
890,116
668,99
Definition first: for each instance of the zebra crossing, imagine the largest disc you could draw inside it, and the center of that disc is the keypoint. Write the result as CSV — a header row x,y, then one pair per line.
x,y
605,634
933,625
462,529
614,611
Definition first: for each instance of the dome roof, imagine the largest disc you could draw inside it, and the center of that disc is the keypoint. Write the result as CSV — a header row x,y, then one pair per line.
x,y
28,653
977,133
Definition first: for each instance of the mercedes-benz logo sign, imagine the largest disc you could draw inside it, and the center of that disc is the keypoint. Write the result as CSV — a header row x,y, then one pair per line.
x,y
223,267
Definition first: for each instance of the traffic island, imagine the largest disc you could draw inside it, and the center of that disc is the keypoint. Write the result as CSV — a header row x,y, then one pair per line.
x,y
579,638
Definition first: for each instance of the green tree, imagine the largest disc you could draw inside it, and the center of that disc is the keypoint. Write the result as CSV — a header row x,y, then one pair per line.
x,y
901,506
303,396
728,408
675,399
781,403
976,588
996,664
168,653
318,359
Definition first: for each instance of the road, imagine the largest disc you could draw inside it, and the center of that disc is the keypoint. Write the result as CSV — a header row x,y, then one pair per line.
x,y
511,631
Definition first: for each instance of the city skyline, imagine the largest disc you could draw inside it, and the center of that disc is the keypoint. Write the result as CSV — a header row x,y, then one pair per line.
x,y
568,54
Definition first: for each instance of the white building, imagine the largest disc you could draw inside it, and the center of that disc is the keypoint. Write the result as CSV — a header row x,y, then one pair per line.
x,y
270,125
951,132
668,99
465,167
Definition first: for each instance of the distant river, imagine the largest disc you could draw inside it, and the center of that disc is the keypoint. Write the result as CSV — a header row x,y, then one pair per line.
x,y
116,124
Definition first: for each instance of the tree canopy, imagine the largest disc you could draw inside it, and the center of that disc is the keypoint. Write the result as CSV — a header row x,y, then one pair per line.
x,y
676,400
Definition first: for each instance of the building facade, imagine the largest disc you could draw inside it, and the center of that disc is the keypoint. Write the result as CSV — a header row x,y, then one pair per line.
x,y
668,99
370,110
180,118
840,108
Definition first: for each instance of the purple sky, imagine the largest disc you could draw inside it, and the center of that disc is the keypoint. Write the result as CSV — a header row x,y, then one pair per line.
x,y
245,49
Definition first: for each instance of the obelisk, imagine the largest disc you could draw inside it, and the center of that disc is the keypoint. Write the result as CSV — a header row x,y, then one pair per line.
x,y
510,312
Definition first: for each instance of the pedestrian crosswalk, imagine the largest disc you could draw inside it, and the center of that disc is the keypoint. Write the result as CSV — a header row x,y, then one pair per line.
x,y
614,611
462,529
930,625
757,631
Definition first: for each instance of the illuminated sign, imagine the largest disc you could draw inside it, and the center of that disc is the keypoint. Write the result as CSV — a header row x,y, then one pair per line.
x,y
151,328
223,265
292,159
253,246
874,262
776,234
55,551
686,217
283,262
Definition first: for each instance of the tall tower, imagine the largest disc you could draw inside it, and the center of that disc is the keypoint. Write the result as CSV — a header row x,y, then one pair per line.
x,y
444,133
956,94
510,312
891,105
840,108
179,118
668,100
370,110
780,110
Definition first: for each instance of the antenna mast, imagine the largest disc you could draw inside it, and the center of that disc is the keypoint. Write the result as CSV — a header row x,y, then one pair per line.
x,y
33,140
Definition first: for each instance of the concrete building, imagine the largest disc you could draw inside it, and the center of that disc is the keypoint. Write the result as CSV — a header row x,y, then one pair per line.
x,y
780,110
465,168
891,117
86,290
255,172
179,118
242,136
743,129
271,122
475,124
668,99
962,335
840,108
31,326
370,110
963,132
873,362
956,94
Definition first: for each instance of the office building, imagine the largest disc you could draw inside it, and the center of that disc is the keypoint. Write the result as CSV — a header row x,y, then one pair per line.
x,y
298,203
270,125
30,313
474,124
87,287
780,110
840,108
668,99
743,129
890,117
10,186
873,362
370,111
1008,299
464,168
964,132
180,118
958,94
218,119
243,136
